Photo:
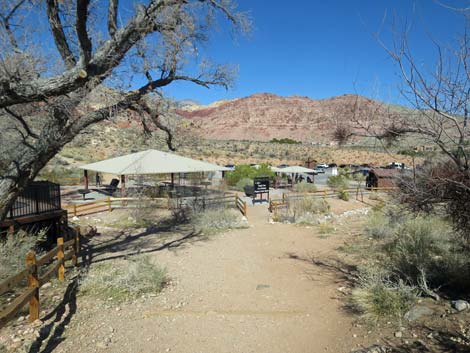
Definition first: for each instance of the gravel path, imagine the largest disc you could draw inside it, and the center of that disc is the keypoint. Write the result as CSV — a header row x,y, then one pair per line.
x,y
250,290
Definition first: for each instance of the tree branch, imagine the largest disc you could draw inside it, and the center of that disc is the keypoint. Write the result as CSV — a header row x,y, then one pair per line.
x,y
58,33
22,122
82,34
112,17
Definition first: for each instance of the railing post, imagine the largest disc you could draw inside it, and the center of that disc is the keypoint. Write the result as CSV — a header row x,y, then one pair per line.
x,y
109,204
75,210
33,282
60,258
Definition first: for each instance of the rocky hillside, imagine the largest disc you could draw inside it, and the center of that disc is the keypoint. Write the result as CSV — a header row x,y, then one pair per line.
x,y
262,117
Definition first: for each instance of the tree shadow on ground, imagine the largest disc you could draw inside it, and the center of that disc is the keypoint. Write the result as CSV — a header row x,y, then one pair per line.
x,y
93,251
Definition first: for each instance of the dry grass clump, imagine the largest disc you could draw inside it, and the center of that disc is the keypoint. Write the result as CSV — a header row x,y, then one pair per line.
x,y
304,210
304,187
123,279
212,221
378,297
13,250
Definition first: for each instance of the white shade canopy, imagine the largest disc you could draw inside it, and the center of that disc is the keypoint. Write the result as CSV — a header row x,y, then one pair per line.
x,y
277,170
296,170
152,162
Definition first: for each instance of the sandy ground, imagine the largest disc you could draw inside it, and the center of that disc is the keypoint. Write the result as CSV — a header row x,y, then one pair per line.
x,y
249,290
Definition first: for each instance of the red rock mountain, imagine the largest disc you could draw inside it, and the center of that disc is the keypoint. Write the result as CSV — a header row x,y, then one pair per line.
x,y
265,116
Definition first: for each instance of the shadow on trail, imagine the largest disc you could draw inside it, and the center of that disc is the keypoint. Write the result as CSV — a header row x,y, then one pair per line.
x,y
53,331
165,236
337,267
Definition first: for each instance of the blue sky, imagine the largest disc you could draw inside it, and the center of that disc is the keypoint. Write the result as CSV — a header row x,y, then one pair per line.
x,y
321,49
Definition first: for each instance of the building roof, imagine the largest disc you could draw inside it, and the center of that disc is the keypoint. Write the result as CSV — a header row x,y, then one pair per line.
x,y
296,170
386,173
152,162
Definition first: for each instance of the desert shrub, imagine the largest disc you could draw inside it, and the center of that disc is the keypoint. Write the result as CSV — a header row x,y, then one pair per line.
x,y
217,220
123,279
378,225
13,250
343,195
421,251
305,210
305,187
326,228
241,183
338,182
285,140
378,297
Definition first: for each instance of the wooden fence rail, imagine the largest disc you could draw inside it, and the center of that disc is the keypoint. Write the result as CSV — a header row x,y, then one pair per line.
x,y
55,259
275,205
111,203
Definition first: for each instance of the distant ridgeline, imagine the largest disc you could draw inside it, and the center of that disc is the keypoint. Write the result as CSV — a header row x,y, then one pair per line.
x,y
286,141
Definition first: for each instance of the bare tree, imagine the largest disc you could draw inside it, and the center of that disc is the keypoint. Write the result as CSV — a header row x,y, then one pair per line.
x,y
439,97
55,54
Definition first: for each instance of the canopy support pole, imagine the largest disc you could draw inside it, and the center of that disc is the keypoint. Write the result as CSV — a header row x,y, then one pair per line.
x,y
85,178
123,188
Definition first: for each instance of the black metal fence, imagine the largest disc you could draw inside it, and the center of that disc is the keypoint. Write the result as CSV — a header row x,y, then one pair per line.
x,y
38,197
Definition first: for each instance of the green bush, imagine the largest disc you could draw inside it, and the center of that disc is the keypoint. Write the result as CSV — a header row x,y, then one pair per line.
x,y
285,140
244,171
338,182
304,187
123,279
343,195
243,182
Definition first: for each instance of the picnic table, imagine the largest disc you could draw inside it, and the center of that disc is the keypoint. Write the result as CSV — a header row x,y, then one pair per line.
x,y
83,192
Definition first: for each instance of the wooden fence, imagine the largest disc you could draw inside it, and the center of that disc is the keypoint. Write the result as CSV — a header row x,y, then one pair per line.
x,y
111,203
275,205
241,205
55,260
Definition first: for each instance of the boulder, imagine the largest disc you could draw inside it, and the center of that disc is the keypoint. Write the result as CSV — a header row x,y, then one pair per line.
x,y
460,305
417,312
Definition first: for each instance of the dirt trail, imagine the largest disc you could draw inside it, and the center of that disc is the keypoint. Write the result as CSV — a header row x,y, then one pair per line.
x,y
250,290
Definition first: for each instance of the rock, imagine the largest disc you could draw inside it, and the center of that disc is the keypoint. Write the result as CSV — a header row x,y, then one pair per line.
x,y
398,334
20,319
460,305
417,312
101,345
46,285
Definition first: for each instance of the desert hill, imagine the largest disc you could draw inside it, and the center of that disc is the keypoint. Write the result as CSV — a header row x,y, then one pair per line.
x,y
264,116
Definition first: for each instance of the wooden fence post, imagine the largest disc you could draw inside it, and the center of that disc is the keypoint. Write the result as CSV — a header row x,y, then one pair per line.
x,y
60,258
109,204
33,282
75,210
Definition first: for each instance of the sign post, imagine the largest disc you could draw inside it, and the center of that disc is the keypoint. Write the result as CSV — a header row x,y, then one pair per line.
x,y
261,186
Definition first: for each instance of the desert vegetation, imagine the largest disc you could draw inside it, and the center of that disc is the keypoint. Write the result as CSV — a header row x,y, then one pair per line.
x,y
412,256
